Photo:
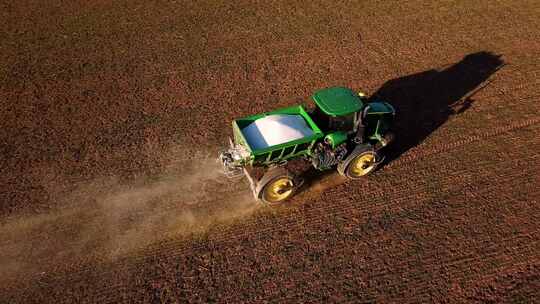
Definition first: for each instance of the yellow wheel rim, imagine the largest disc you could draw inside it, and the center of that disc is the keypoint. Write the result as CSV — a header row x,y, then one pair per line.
x,y
362,165
278,190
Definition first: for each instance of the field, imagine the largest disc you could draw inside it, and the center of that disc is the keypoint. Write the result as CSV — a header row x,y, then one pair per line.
x,y
113,112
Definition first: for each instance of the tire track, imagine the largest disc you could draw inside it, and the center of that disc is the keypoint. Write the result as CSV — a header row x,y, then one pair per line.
x,y
340,206
485,258
407,159
175,248
411,158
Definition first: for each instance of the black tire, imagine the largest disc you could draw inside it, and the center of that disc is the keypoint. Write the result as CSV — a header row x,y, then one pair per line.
x,y
276,186
361,162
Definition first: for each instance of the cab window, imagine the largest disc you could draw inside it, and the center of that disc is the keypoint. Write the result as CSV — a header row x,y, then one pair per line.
x,y
342,123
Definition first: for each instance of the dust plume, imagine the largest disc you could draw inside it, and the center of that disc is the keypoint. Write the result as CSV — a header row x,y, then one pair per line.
x,y
107,219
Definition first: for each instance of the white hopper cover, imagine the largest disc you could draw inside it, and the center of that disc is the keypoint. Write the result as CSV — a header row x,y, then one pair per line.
x,y
276,129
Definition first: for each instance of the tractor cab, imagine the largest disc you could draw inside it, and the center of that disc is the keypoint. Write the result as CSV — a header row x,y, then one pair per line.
x,y
337,109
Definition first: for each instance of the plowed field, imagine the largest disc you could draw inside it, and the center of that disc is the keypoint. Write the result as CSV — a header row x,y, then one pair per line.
x,y
113,112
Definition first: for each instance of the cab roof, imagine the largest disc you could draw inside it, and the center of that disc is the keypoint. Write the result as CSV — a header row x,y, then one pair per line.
x,y
337,101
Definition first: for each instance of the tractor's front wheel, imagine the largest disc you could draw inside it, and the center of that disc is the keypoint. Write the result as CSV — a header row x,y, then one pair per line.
x,y
276,186
361,162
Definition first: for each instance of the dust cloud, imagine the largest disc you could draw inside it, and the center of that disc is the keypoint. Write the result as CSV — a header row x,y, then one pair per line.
x,y
107,219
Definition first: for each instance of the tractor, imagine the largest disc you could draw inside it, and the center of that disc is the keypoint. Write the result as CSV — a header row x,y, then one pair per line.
x,y
343,130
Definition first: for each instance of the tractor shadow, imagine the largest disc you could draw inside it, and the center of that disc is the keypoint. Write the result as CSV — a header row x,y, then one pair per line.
x,y
426,100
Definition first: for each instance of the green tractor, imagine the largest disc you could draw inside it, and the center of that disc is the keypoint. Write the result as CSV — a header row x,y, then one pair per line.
x,y
343,131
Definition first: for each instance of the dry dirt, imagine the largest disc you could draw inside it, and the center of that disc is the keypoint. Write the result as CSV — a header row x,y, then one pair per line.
x,y
112,113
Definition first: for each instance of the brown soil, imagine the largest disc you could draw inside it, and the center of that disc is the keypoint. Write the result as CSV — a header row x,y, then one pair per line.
x,y
112,113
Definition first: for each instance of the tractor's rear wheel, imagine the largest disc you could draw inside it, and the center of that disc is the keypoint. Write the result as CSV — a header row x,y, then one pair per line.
x,y
360,163
276,186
